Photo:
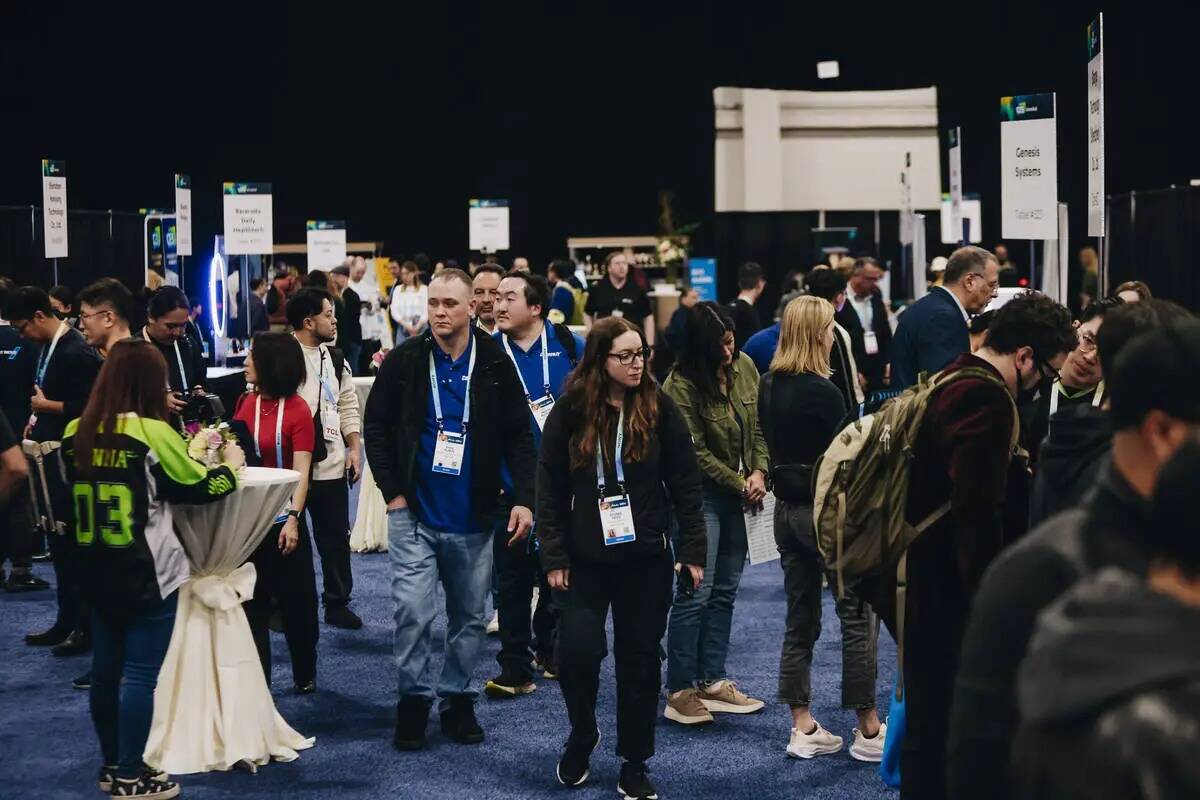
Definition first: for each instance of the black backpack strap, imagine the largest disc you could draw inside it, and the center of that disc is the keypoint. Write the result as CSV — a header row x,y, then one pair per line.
x,y
338,358
766,413
567,340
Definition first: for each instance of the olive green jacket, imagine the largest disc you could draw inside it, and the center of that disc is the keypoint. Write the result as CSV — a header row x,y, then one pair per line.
x,y
720,441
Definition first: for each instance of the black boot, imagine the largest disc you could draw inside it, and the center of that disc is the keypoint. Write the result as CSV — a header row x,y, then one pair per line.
x,y
50,638
412,715
459,723
76,644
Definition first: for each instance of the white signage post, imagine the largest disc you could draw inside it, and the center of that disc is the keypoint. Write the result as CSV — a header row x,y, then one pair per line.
x,y
487,223
183,215
1028,170
326,243
54,210
1095,118
249,227
954,139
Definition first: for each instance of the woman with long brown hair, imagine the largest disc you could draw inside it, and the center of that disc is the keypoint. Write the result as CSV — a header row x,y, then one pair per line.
x,y
127,466
616,460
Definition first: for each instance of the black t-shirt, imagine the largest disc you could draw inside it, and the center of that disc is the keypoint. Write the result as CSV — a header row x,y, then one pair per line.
x,y
192,358
605,300
348,312
70,373
18,362
746,320
805,413
7,437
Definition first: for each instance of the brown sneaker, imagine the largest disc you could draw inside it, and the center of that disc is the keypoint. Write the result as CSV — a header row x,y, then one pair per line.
x,y
725,696
685,708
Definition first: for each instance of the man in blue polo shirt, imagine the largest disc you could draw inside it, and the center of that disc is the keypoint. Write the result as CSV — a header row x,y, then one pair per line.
x,y
544,354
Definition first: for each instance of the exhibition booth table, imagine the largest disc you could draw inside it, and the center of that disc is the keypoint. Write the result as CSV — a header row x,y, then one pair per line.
x,y
213,708
369,532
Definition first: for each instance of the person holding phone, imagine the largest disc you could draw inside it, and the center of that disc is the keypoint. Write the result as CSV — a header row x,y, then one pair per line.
x,y
616,460
281,424
716,389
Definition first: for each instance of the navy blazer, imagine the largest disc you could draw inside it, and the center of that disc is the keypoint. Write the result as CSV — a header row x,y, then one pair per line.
x,y
931,334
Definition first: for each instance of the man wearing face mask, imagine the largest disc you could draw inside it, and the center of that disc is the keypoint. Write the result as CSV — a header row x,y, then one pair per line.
x,y
961,457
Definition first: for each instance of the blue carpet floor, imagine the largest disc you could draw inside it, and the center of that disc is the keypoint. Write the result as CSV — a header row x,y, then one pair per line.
x,y
50,747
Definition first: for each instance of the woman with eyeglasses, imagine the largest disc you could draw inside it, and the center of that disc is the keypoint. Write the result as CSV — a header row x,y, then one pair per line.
x,y
167,315
616,460
716,389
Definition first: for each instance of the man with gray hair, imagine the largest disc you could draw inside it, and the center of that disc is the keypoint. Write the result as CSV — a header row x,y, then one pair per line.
x,y
933,330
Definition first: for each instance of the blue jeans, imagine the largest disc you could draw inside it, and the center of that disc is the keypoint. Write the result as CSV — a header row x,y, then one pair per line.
x,y
353,353
135,651
698,634
421,557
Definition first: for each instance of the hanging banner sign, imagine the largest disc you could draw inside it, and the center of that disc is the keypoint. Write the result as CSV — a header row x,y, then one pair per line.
x,y
183,215
326,243
248,219
954,139
487,222
1028,167
54,208
1095,119
906,204
702,276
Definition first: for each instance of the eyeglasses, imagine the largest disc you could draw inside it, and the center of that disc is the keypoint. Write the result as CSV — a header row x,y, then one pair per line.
x,y
627,357
1087,343
94,313
1048,372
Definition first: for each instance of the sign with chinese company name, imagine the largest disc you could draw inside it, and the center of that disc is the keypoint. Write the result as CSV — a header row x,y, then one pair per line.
x,y
54,207
1028,167
1095,120
248,219
954,140
487,223
326,243
183,215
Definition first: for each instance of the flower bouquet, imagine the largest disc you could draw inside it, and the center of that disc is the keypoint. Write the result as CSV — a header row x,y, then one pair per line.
x,y
213,445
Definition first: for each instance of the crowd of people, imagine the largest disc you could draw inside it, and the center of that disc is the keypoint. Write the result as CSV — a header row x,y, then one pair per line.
x,y
1016,483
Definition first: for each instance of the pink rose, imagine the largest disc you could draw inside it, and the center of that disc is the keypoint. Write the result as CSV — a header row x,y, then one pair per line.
x,y
215,439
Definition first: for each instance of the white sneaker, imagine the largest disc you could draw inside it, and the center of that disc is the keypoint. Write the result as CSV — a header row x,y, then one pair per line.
x,y
818,743
871,750
493,627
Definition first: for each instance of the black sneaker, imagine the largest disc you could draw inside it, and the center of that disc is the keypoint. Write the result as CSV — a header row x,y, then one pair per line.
x,y
508,685
24,582
148,787
635,783
50,638
109,774
84,681
545,665
342,617
412,715
308,687
574,767
459,723
76,644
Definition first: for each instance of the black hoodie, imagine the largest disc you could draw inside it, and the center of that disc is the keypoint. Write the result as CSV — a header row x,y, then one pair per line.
x,y
1069,460
1110,695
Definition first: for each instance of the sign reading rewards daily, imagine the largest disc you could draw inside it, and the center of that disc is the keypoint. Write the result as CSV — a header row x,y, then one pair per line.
x,y
1028,167
954,140
183,215
54,207
487,222
248,220
1095,120
326,243
702,276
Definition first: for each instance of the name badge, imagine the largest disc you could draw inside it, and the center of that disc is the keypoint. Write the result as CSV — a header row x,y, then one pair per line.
x,y
331,423
618,312
541,410
870,343
616,519
448,453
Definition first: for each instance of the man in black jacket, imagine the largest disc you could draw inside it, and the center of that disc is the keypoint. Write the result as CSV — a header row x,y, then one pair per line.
x,y
1151,418
444,409
865,318
828,284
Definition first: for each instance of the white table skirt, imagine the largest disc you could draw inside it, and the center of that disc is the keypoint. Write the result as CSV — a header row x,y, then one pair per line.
x,y
369,532
212,706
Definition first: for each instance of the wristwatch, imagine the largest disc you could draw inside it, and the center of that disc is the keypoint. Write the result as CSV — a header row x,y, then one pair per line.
x,y
293,513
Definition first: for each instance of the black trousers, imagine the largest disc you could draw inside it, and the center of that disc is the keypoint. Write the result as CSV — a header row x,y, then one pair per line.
x,y
639,593
329,509
74,614
16,531
291,582
518,571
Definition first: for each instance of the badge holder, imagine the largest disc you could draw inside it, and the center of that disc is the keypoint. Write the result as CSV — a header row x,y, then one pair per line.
x,y
616,512
450,448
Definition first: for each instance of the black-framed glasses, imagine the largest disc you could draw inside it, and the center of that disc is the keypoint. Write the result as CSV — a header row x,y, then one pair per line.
x,y
627,357
95,313
1048,372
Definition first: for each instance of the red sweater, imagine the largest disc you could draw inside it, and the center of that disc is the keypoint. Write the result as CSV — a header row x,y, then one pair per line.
x,y
297,434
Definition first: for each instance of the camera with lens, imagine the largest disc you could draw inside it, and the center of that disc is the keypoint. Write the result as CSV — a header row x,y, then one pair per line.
x,y
203,407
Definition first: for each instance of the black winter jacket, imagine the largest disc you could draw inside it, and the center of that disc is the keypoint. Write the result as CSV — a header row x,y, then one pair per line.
x,y
395,417
568,520
1070,460
1110,695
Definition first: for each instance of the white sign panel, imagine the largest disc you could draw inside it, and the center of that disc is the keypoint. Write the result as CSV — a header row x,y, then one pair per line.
x,y
487,222
326,243
1028,167
248,220
1095,119
54,207
972,212
956,186
906,203
183,215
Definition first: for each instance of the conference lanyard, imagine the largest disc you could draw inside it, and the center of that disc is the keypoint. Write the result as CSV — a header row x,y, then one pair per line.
x,y
1057,389
545,365
278,430
183,378
618,464
437,392
45,363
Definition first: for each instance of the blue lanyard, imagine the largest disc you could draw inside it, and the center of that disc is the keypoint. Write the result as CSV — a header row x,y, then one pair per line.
x,y
437,392
278,430
545,364
45,362
618,463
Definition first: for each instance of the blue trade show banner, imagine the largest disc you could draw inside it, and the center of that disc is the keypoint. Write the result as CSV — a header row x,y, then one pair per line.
x,y
702,276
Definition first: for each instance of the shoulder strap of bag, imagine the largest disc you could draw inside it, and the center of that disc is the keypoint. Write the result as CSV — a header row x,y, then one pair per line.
x,y
567,340
766,413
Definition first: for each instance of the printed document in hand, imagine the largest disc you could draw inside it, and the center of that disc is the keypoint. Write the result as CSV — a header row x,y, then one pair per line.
x,y
760,532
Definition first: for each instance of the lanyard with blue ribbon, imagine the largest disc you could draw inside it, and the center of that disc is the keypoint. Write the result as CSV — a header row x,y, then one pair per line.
x,y
545,364
278,430
45,361
618,463
437,399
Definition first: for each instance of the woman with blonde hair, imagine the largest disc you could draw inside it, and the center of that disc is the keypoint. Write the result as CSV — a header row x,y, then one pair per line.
x,y
801,411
